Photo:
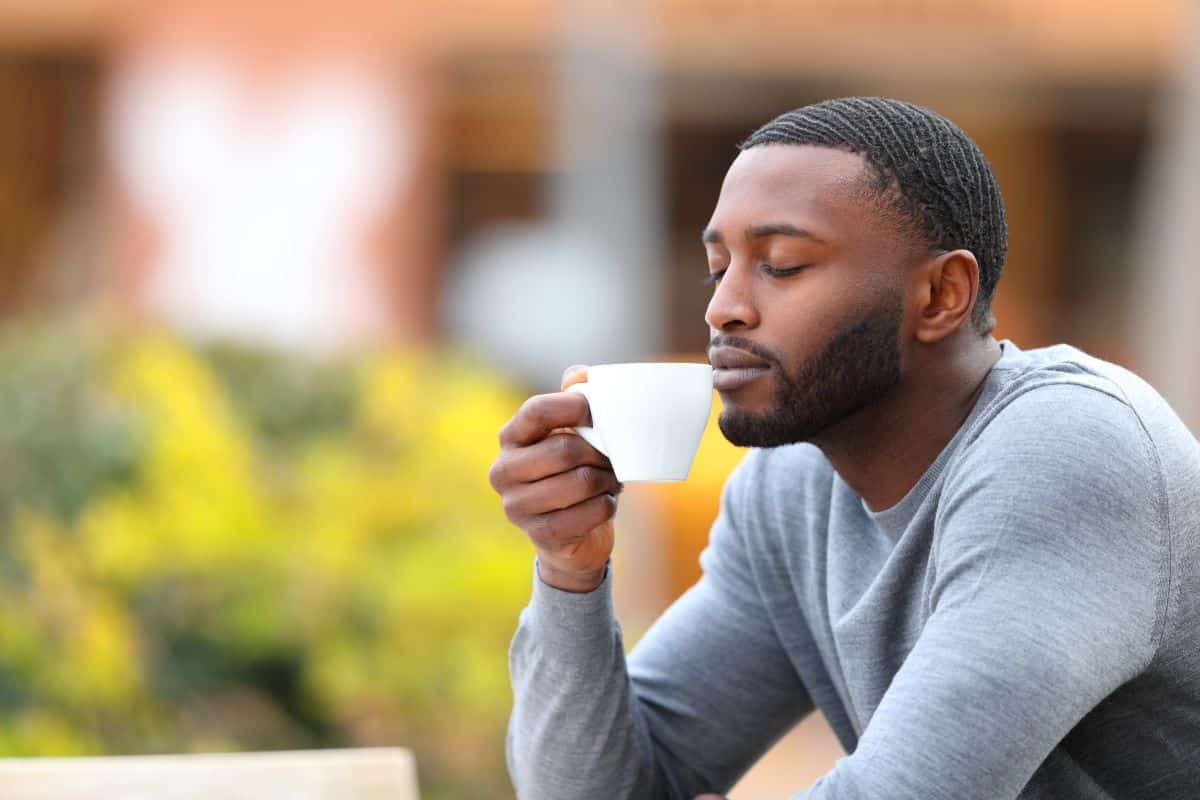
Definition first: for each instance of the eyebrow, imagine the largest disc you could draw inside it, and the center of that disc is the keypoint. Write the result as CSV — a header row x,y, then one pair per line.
x,y
713,236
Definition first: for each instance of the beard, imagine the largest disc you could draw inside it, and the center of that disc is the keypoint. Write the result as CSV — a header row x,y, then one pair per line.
x,y
856,368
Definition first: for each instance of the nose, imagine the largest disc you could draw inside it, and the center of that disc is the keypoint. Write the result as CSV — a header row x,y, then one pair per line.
x,y
732,306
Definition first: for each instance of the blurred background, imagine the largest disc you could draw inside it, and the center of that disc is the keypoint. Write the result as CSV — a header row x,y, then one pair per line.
x,y
273,275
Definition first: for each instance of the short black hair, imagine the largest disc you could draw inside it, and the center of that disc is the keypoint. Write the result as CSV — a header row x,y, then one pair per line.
x,y
926,170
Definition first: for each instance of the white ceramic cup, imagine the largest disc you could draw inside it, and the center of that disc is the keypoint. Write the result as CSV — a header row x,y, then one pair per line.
x,y
647,418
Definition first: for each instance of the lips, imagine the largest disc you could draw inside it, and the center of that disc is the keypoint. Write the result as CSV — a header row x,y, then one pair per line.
x,y
733,358
733,368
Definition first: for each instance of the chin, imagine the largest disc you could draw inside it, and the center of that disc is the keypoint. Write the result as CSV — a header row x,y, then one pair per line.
x,y
767,428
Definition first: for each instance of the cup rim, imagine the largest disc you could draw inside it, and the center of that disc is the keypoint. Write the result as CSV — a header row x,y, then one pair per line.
x,y
656,364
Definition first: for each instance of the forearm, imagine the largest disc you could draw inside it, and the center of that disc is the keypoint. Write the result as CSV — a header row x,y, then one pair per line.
x,y
574,731
704,694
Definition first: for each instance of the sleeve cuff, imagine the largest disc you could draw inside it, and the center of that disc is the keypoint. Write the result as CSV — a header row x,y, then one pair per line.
x,y
572,618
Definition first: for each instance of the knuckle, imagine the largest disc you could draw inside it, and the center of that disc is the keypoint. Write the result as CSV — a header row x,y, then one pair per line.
x,y
598,510
525,414
567,450
535,528
511,507
543,528
603,480
590,477
563,450
498,474
608,505
537,409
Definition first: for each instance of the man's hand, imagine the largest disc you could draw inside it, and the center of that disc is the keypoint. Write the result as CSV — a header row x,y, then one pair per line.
x,y
557,488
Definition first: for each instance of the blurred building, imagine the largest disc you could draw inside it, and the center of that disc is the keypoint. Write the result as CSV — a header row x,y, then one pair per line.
x,y
522,127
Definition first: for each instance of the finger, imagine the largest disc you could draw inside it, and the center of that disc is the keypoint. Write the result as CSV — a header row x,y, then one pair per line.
x,y
573,375
557,529
557,453
576,373
543,413
528,501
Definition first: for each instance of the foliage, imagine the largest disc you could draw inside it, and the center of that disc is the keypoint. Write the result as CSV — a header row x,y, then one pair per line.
x,y
235,549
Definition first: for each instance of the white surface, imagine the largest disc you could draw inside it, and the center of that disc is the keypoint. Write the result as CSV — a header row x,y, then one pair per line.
x,y
362,774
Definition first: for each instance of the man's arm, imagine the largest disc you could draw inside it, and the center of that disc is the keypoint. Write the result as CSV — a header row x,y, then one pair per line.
x,y
706,691
1051,568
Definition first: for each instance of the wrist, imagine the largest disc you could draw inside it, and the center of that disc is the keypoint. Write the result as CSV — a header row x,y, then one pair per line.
x,y
574,581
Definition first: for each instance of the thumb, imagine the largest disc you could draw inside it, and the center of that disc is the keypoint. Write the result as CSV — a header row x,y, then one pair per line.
x,y
576,373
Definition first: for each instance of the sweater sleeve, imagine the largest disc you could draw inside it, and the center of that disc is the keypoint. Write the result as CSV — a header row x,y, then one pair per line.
x,y
706,691
1051,573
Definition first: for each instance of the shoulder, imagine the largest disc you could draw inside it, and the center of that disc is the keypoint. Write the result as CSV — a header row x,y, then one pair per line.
x,y
1063,392
1061,491
1061,436
1060,451
1059,412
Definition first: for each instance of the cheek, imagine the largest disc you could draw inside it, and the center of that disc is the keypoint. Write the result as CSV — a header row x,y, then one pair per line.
x,y
799,321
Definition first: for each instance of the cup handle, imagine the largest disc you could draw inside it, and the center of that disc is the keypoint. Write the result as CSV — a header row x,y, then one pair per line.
x,y
590,435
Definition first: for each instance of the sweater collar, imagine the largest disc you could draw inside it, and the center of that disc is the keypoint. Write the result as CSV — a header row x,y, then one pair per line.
x,y
895,519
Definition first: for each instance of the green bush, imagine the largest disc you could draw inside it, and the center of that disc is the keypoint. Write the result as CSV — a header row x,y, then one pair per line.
x,y
233,549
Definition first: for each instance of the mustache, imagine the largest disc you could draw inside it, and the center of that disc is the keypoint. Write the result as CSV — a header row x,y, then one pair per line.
x,y
739,343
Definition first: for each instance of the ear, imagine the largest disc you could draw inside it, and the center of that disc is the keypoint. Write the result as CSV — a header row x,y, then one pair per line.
x,y
948,286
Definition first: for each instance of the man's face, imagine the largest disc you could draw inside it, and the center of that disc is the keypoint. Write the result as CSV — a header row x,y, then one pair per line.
x,y
805,322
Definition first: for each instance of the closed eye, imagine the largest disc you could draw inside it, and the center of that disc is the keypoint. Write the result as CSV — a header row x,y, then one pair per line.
x,y
782,273
715,277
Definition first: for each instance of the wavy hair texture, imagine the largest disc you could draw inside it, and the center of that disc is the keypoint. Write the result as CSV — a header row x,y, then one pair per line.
x,y
927,173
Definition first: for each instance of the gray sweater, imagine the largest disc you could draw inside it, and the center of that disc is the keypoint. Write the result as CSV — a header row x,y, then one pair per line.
x,y
1024,623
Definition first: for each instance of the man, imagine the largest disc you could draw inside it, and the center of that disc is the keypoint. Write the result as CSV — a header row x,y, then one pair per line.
x,y
981,564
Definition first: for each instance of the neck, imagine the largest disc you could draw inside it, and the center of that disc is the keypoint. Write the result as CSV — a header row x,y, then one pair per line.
x,y
882,451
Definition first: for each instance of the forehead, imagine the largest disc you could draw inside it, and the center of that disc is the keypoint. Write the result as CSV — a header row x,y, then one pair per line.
x,y
817,188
